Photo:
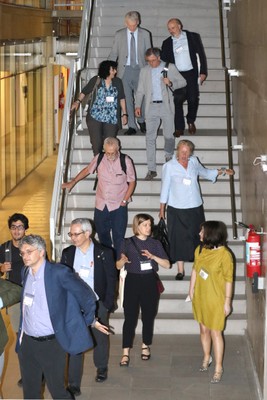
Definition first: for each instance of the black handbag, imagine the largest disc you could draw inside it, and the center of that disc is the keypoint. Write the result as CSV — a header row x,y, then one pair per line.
x,y
160,233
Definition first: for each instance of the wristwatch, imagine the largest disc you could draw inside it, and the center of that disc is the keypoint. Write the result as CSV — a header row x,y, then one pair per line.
x,y
125,201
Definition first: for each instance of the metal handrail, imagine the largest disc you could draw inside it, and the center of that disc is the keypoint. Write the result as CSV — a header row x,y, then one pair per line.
x,y
228,120
59,197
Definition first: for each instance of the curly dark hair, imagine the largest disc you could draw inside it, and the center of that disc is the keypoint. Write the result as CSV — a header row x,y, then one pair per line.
x,y
18,217
104,68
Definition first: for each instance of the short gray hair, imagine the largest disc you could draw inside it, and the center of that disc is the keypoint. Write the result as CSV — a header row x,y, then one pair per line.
x,y
33,240
133,16
111,141
85,224
155,51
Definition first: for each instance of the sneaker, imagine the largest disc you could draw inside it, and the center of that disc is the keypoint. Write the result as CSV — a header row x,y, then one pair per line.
x,y
168,158
150,175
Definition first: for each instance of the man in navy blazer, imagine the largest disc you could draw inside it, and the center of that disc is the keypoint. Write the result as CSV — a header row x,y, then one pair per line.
x,y
129,68
57,308
186,51
95,264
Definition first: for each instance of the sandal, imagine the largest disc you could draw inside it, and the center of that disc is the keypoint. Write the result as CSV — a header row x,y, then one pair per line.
x,y
205,365
125,363
217,376
144,356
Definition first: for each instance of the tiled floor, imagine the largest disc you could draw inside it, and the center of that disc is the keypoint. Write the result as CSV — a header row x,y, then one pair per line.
x,y
171,373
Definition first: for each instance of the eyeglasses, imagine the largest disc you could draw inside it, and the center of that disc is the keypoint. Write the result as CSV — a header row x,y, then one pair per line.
x,y
18,227
75,234
27,252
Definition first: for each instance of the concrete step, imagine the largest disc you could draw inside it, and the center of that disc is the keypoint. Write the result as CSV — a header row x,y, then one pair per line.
x,y
207,188
149,200
139,155
181,324
141,170
223,215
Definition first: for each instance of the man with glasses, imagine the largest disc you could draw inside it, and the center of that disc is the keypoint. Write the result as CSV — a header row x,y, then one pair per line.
x,y
94,264
57,308
11,263
114,190
155,90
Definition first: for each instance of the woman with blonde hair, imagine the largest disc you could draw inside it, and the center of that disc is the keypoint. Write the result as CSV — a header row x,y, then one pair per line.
x,y
141,255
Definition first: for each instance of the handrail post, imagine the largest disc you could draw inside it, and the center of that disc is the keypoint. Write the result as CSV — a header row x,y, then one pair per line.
x,y
228,121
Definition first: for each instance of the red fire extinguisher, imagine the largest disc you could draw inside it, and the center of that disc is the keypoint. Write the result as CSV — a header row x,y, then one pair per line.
x,y
61,101
253,252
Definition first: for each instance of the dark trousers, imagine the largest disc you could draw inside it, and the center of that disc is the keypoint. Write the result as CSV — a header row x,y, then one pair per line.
x,y
111,221
101,350
191,94
140,292
42,358
99,131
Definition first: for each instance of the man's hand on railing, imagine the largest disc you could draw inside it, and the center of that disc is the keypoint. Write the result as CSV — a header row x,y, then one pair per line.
x,y
69,185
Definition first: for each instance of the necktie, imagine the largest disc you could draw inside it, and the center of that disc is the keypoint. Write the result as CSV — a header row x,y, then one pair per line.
x,y
132,51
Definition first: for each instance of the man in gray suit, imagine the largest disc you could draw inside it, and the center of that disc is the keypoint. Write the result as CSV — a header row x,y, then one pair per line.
x,y
156,84
129,47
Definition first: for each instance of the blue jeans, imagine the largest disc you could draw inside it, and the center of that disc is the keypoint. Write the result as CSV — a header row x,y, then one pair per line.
x,y
111,221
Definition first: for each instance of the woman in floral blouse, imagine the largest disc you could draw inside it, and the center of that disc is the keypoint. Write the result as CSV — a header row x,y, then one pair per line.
x,y
106,107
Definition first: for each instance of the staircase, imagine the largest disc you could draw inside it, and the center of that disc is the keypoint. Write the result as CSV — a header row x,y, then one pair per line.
x,y
174,315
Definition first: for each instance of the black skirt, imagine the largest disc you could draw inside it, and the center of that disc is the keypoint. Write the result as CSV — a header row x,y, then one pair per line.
x,y
183,231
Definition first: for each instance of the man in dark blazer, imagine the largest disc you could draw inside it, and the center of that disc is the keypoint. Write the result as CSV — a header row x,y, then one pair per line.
x,y
94,264
57,308
186,51
129,68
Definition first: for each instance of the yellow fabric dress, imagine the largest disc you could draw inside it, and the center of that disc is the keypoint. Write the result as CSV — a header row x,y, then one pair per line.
x,y
209,292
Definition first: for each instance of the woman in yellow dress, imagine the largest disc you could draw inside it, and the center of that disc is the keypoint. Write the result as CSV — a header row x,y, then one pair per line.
x,y
211,291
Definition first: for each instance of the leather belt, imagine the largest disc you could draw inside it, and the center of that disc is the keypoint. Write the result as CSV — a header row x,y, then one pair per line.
x,y
157,101
43,338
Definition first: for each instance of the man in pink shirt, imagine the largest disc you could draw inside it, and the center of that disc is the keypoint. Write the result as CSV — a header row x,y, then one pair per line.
x,y
114,190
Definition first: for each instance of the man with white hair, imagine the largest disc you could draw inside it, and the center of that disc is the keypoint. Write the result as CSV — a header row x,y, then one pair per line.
x,y
129,47
94,264
116,183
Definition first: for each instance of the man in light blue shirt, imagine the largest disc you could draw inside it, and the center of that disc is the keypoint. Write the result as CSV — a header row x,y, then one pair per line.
x,y
155,88
95,265
57,307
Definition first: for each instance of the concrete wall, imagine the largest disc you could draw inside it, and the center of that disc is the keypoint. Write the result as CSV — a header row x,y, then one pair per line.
x,y
248,41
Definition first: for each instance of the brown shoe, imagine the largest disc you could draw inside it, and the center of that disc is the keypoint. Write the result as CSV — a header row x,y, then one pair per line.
x,y
178,133
192,128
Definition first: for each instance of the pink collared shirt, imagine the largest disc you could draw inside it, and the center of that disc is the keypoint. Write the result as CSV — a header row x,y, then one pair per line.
x,y
112,181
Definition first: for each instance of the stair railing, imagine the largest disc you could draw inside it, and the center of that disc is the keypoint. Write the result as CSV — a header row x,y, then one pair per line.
x,y
63,169
228,119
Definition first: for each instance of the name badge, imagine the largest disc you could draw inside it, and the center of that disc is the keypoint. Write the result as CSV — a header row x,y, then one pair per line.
x,y
84,272
28,300
187,181
203,274
110,99
145,265
179,49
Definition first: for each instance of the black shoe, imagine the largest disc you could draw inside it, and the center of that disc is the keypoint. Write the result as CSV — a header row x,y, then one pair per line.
x,y
179,276
74,390
192,128
130,132
19,383
142,127
101,375
178,133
